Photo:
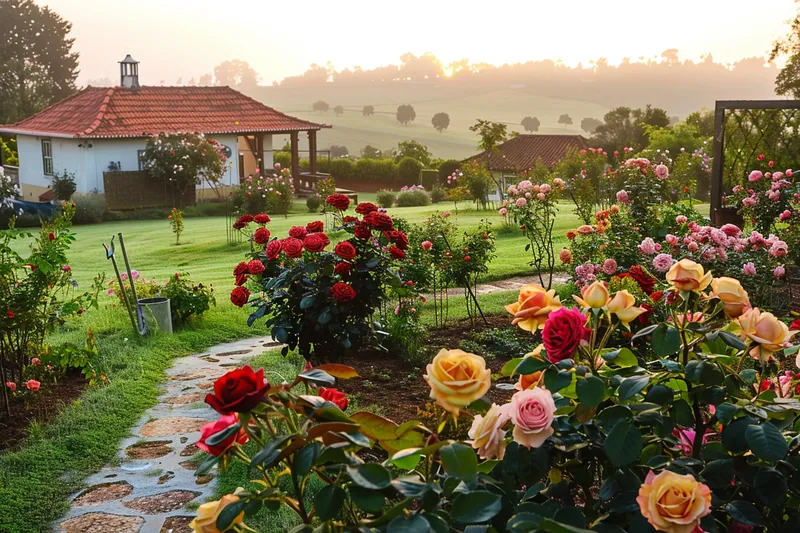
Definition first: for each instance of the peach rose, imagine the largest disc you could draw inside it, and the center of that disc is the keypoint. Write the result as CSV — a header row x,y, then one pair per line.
x,y
674,503
623,304
457,379
594,296
735,300
206,520
533,306
532,412
764,329
487,433
526,381
686,275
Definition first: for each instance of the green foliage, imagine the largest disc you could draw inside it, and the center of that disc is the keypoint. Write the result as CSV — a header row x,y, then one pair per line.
x,y
66,356
624,127
440,121
342,169
478,179
447,168
182,160
408,170
186,298
176,223
313,202
8,151
583,173
64,186
370,152
386,198
415,150
271,193
438,195
412,198
405,114
491,134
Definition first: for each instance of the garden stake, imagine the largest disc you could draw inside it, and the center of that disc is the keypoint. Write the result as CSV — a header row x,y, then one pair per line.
x,y
142,327
5,389
110,255
471,294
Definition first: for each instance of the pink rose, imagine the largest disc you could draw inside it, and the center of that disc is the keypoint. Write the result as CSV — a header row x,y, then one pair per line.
x,y
32,385
672,240
532,413
662,172
540,196
622,197
662,262
681,219
426,245
11,386
731,230
503,211
609,267
36,361
779,272
521,202
487,432
749,269
755,175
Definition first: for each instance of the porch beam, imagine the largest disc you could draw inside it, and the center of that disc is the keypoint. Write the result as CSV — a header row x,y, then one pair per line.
x,y
312,151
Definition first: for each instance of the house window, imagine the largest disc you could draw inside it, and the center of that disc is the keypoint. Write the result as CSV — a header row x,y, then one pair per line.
x,y
47,157
140,159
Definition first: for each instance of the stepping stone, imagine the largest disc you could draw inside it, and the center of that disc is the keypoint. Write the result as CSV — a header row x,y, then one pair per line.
x,y
102,523
184,399
199,373
105,492
205,385
166,477
189,465
184,439
210,359
234,352
177,524
172,425
202,480
161,503
149,450
190,450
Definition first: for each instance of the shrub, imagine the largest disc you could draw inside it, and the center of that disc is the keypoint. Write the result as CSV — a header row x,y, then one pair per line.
x,y
63,186
478,179
429,179
144,288
271,192
186,298
342,169
386,198
184,160
326,187
176,222
438,195
408,170
313,202
447,168
413,198
89,208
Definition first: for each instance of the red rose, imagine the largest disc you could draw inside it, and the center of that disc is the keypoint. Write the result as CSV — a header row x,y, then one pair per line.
x,y
261,218
242,221
379,221
51,236
334,396
645,280
298,232
315,242
795,326
240,280
348,219
255,267
401,241
397,253
11,314
261,235
365,208
240,269
292,247
343,292
656,296
239,225
239,296
345,250
339,201
362,231
342,268
273,249
563,333
240,437
315,227
238,391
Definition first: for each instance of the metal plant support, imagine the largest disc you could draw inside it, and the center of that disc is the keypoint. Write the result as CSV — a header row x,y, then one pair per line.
x,y
131,302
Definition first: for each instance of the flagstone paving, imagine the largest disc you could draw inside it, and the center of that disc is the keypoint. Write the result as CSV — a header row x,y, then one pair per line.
x,y
510,284
150,487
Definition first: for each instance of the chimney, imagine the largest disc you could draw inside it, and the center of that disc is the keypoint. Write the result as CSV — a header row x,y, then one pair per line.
x,y
129,73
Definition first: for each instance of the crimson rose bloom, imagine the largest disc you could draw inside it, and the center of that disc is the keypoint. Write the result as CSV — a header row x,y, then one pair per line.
x,y
339,201
261,218
350,218
240,269
239,225
292,247
362,231
397,253
273,249
343,292
255,267
334,396
342,268
365,208
243,220
240,280
238,391
240,437
563,333
345,250
379,221
298,232
645,280
239,296
315,242
315,227
401,241
261,235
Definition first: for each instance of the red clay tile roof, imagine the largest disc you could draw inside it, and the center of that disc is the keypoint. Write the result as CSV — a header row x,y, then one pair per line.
x,y
97,112
523,151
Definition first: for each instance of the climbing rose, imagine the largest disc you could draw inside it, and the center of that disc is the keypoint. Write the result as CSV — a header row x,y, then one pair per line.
x,y
239,437
239,296
345,250
334,396
11,386
563,332
343,292
261,235
255,267
238,391
339,201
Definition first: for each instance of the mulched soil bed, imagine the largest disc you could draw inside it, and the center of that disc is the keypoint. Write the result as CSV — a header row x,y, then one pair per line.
x,y
43,406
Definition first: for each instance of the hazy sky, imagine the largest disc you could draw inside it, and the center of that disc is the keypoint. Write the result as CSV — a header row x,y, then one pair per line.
x,y
186,38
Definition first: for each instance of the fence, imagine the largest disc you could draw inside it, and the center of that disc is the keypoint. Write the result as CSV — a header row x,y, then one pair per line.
x,y
136,189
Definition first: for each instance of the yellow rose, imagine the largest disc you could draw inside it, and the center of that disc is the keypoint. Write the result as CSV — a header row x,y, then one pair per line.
x,y
526,381
734,298
766,330
533,307
686,275
595,296
487,433
674,503
623,304
457,379
206,520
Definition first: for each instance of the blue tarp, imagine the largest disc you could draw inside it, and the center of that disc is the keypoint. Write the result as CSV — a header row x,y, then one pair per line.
x,y
39,209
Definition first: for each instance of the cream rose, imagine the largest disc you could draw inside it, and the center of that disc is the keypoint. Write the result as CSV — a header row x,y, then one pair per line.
x,y
686,275
532,412
595,296
735,300
206,520
623,304
457,379
766,330
533,307
674,503
487,433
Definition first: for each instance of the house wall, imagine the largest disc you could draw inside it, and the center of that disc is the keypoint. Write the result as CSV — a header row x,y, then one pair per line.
x,y
250,163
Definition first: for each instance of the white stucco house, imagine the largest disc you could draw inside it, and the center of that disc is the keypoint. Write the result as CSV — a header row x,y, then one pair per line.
x,y
101,129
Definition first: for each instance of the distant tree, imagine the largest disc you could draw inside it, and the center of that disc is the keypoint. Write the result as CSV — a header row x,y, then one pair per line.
x,y
37,64
414,150
625,127
491,134
565,119
179,81
206,80
408,170
531,123
235,73
368,111
338,110
590,124
370,152
788,80
440,121
703,120
405,114
339,151
321,106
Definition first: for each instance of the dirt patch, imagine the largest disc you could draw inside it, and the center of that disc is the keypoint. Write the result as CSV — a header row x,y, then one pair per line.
x,y
172,425
205,385
149,450
202,480
189,465
102,523
184,399
199,373
177,524
234,352
190,450
210,359
166,477
104,492
161,503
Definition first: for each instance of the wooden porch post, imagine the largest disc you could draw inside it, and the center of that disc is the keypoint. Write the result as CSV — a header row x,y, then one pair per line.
x,y
259,155
312,151
295,155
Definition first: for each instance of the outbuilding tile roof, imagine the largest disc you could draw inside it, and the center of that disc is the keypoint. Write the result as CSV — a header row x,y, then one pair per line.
x,y
523,151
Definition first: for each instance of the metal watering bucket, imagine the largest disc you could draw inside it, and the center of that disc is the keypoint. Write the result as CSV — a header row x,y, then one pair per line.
x,y
156,309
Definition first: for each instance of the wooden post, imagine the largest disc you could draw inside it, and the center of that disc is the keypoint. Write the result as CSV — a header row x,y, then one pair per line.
x,y
718,165
295,156
259,155
312,152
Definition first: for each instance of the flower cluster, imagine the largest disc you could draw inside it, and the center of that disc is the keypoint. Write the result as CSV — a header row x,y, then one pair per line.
x,y
765,198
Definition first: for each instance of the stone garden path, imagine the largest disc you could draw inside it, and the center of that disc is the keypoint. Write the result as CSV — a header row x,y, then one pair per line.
x,y
147,488
509,284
